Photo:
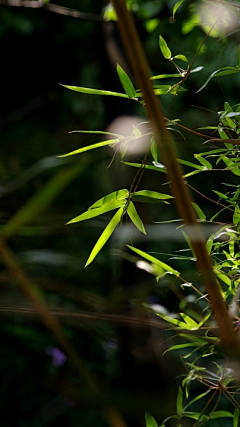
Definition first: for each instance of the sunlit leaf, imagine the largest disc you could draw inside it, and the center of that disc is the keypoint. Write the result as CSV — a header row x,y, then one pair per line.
x,y
190,322
150,196
164,48
236,418
161,168
92,213
154,261
182,57
105,235
176,6
126,82
115,195
150,421
133,215
199,211
203,161
91,147
107,203
91,91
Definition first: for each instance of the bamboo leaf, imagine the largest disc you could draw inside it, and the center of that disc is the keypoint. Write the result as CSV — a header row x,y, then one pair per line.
x,y
115,195
149,196
236,418
155,261
105,235
190,322
99,132
133,215
150,421
41,200
179,400
177,5
182,57
92,213
126,82
91,147
91,91
221,72
164,48
199,211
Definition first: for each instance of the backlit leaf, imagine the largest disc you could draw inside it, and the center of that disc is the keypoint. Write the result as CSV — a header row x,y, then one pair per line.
x,y
155,261
105,235
133,215
176,6
91,147
91,91
126,82
164,48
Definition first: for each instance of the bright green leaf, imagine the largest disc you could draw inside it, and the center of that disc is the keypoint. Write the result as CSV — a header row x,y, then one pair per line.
x,y
91,91
164,48
133,215
176,6
182,57
150,421
199,211
91,147
155,261
105,235
92,213
236,418
126,82
149,196
112,197
190,322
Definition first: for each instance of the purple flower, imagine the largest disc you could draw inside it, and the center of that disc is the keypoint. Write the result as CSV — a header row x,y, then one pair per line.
x,y
58,357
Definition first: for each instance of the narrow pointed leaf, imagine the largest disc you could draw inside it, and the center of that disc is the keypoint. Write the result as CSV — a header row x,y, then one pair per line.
x,y
182,57
190,322
177,5
115,195
199,211
221,72
91,91
164,48
91,147
149,196
150,421
105,235
126,82
92,213
99,132
133,215
154,260
180,401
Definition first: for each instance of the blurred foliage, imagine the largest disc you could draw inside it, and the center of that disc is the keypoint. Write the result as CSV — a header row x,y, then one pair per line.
x,y
41,192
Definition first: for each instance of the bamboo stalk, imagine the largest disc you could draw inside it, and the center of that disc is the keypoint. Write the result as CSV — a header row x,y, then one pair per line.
x,y
139,67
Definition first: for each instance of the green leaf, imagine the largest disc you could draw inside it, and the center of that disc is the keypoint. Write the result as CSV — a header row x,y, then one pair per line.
x,y
179,400
190,322
91,147
199,211
34,207
236,216
115,195
164,48
236,418
158,168
126,82
150,421
189,242
180,346
239,57
165,76
99,132
155,261
133,215
203,161
154,149
91,91
182,57
107,203
221,414
221,72
149,196
193,165
92,213
177,5
105,235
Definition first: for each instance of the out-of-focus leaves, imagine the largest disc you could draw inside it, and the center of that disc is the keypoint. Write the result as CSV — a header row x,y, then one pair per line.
x,y
42,199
